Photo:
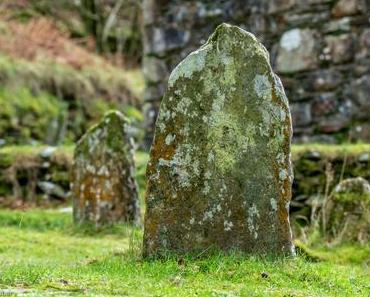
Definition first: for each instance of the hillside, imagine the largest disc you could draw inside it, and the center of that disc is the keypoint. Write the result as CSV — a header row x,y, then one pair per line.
x,y
53,86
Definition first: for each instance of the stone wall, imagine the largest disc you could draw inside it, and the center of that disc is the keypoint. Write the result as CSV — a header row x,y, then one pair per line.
x,y
320,48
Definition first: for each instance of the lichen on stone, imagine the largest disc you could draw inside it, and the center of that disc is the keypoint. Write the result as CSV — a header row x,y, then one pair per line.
x,y
220,167
103,185
347,212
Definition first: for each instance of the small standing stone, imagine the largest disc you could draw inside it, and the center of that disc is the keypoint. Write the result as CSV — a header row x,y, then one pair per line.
x,y
348,212
103,184
219,175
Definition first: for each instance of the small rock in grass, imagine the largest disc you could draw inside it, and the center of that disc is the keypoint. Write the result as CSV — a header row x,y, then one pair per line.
x,y
348,212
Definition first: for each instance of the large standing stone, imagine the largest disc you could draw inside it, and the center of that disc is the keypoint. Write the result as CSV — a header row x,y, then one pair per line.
x,y
103,185
219,174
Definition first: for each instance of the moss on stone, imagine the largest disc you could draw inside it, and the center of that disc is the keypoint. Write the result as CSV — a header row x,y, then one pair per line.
x,y
230,129
103,174
348,212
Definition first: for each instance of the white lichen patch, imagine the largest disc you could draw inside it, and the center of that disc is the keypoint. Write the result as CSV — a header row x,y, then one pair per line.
x,y
169,139
208,215
273,204
108,185
229,77
262,86
280,158
181,165
211,157
183,105
90,168
208,174
283,115
196,170
218,103
283,174
253,215
228,225
192,63
161,126
103,171
206,189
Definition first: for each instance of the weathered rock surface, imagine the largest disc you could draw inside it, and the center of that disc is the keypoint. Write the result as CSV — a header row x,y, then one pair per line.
x,y
348,211
219,175
103,185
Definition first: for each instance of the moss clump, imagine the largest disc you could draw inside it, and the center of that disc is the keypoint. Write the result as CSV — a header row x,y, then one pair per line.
x,y
25,117
76,98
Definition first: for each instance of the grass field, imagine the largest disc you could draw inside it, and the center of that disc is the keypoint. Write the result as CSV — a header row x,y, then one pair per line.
x,y
42,254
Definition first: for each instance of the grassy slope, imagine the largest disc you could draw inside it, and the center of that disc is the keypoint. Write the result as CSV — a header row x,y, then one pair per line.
x,y
42,253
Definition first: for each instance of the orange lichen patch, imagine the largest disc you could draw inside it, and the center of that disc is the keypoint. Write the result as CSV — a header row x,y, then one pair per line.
x,y
92,193
160,148
105,190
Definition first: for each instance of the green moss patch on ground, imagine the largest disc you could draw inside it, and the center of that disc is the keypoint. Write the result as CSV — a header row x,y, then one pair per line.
x,y
42,253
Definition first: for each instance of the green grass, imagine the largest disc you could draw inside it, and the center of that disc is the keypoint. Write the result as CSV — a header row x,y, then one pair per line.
x,y
42,253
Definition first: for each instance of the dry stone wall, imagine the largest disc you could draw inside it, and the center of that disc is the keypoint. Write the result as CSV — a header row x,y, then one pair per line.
x,y
319,48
